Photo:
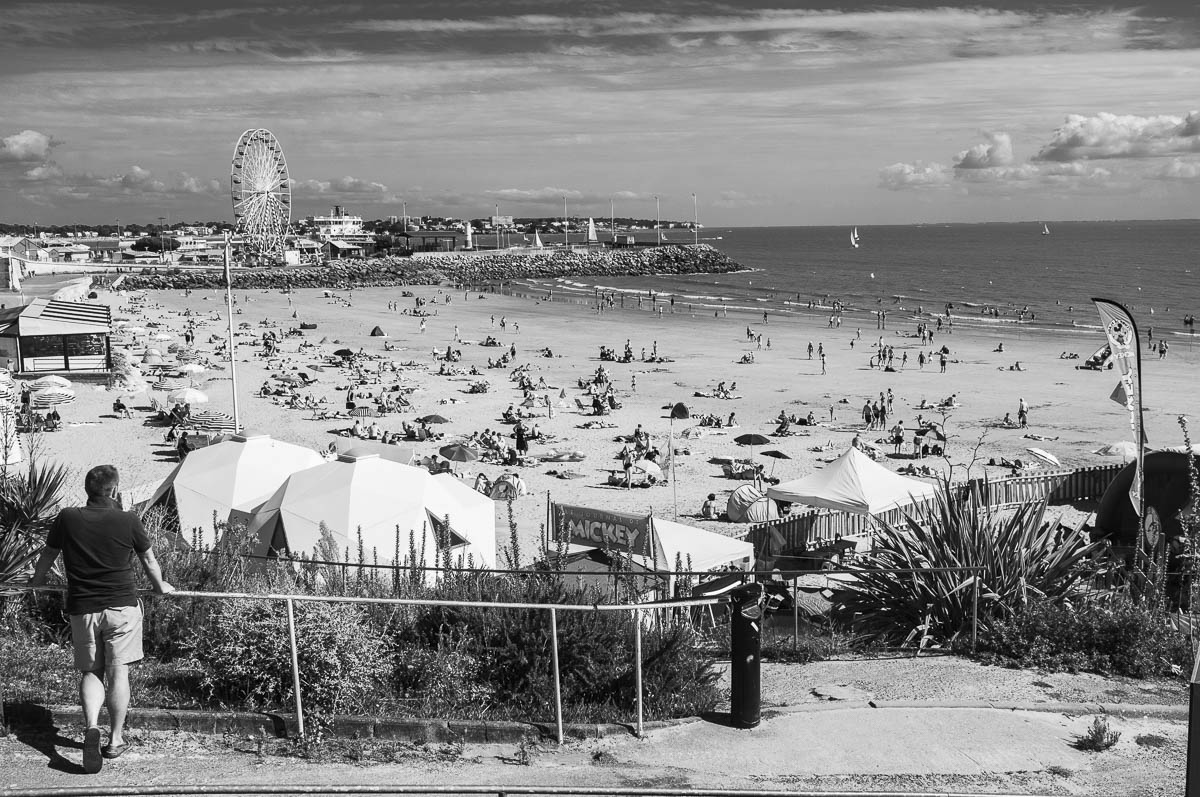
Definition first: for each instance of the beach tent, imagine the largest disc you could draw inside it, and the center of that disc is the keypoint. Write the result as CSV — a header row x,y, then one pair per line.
x,y
704,550
747,504
232,476
378,332
853,483
378,496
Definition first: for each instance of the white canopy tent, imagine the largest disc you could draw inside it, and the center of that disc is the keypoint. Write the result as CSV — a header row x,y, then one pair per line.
x,y
232,476
376,495
853,483
704,550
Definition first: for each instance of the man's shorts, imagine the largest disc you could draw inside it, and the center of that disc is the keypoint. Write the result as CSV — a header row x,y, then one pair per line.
x,y
112,636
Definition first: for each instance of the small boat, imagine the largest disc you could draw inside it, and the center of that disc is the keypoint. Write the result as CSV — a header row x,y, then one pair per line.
x,y
854,237
1045,229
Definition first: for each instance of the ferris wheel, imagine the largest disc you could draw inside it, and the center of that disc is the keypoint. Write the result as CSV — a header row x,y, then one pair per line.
x,y
262,194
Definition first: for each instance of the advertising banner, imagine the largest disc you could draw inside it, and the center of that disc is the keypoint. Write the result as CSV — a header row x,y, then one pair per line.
x,y
1122,335
600,528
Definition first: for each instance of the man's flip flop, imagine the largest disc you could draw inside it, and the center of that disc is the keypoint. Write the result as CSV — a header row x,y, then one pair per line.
x,y
92,759
114,751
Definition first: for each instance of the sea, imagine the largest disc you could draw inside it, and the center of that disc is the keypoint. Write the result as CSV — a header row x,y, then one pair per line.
x,y
993,275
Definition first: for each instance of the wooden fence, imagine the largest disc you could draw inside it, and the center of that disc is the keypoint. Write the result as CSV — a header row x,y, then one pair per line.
x,y
817,526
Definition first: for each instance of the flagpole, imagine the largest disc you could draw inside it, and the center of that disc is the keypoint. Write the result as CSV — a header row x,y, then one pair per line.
x,y
237,424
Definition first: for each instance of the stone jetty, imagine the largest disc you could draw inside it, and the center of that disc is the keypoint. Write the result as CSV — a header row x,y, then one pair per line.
x,y
457,268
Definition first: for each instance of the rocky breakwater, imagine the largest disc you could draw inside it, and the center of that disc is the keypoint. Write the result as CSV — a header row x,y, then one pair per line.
x,y
464,268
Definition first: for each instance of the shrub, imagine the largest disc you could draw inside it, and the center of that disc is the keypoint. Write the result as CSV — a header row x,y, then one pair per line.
x,y
1099,737
245,655
1022,559
1116,636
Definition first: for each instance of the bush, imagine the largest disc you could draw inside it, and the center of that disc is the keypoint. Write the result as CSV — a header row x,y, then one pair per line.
x,y
1099,737
1022,559
246,658
1118,636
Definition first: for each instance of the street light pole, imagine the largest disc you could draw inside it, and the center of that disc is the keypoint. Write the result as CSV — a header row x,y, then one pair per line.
x,y
162,239
695,221
612,219
566,240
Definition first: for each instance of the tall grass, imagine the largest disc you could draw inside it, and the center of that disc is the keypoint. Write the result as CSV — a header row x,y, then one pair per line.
x,y
1016,557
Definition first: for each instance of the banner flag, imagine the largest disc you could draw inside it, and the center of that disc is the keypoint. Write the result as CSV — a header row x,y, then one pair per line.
x,y
600,528
1119,395
1121,331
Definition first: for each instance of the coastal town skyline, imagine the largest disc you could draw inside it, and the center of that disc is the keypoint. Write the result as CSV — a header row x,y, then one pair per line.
x,y
807,115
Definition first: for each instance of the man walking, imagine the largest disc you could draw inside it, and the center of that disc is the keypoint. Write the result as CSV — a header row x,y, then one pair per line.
x,y
97,542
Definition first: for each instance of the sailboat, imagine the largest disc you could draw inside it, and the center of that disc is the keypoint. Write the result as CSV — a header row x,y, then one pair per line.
x,y
537,240
592,238
854,238
1045,229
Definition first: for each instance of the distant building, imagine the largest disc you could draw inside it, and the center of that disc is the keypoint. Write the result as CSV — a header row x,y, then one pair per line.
x,y
336,250
71,253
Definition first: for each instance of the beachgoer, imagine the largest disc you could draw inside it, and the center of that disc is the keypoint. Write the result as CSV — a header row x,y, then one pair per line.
x,y
708,509
1022,413
97,542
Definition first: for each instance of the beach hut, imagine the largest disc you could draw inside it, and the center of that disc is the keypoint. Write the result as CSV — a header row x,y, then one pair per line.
x,y
747,504
367,493
853,483
50,335
227,480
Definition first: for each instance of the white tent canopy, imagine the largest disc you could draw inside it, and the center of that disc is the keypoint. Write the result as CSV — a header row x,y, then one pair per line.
x,y
704,550
853,483
237,474
376,495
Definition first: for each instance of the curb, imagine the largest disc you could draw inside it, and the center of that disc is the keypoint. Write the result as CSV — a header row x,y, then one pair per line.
x,y
435,731
282,725
1160,710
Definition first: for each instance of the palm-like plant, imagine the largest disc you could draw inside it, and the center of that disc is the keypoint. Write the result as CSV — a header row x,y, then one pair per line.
x,y
28,501
1016,557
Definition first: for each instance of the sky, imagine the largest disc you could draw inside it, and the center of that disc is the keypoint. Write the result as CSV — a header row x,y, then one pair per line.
x,y
770,113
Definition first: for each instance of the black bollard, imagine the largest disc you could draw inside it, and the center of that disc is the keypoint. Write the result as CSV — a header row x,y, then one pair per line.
x,y
1192,784
745,625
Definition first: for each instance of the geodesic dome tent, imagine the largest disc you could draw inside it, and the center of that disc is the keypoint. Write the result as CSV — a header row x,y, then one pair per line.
x,y
747,504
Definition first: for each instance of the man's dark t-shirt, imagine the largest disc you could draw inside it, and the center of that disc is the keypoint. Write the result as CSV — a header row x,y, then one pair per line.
x,y
98,542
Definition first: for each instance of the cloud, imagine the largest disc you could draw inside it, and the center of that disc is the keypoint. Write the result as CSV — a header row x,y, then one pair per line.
x,y
534,195
349,187
1108,135
1179,169
996,152
28,146
47,181
900,176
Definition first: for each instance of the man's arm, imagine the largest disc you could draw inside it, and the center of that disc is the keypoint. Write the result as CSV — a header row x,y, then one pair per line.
x,y
150,565
42,568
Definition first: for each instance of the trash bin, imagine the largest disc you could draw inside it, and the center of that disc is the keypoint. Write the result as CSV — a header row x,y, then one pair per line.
x,y
745,696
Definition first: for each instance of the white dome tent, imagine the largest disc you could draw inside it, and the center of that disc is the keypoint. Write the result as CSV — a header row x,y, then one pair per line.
x,y
362,491
233,476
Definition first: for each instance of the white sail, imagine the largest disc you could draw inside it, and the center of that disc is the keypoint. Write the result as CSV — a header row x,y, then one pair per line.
x,y
537,240
1045,229
592,238
854,237
470,244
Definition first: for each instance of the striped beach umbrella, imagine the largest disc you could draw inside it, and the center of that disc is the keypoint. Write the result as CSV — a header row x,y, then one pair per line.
x,y
45,399
213,421
167,384
363,412
47,382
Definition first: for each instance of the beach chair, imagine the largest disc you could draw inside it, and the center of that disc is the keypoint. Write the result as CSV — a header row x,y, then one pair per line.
x,y
586,409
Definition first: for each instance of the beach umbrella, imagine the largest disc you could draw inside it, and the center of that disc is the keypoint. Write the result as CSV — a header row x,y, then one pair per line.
x,y
433,419
649,468
289,379
1045,456
192,368
752,439
213,421
363,412
316,367
188,395
162,336
51,398
343,353
136,330
167,384
774,455
1125,449
49,382
457,452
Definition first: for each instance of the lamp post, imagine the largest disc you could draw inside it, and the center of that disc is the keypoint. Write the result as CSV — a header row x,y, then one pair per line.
x,y
695,221
612,219
162,239
657,220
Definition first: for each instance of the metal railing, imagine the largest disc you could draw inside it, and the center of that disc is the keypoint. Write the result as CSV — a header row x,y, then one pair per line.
x,y
290,601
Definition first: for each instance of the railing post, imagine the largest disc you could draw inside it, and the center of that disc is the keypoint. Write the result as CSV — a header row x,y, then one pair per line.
x,y
637,654
975,610
558,718
795,613
295,667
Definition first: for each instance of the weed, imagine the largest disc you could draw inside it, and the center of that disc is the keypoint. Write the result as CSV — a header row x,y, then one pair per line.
x,y
1151,740
1099,737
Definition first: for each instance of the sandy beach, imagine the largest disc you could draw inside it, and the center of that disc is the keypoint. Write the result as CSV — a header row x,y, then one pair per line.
x,y
1070,412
